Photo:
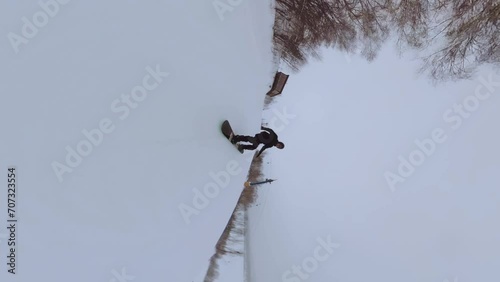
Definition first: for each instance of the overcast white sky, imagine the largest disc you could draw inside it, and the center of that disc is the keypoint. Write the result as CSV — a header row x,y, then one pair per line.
x,y
353,120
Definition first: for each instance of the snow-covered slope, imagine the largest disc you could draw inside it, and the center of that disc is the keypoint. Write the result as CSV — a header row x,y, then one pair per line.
x,y
113,212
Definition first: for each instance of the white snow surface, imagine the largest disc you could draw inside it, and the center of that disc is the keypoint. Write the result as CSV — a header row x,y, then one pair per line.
x,y
117,212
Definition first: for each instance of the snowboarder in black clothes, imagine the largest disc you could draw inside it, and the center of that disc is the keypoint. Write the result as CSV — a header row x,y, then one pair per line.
x,y
269,139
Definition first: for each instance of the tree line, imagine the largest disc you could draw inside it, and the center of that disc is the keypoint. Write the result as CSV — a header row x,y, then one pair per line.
x,y
456,36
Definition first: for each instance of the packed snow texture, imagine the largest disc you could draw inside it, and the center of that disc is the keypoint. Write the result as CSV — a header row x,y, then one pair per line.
x,y
76,86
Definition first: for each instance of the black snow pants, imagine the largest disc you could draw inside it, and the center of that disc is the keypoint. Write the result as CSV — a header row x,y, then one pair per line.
x,y
251,139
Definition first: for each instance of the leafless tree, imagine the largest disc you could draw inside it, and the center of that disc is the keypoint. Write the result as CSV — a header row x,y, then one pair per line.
x,y
471,35
303,27
457,35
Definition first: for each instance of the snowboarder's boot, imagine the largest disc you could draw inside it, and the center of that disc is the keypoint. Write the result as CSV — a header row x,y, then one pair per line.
x,y
232,139
240,148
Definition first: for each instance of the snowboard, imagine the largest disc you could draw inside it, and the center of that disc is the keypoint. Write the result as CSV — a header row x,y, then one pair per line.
x,y
229,134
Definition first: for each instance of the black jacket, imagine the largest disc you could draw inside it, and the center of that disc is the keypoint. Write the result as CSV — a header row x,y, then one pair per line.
x,y
268,139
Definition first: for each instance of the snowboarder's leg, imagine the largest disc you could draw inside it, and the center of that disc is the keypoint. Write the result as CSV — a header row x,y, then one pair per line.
x,y
249,147
241,138
255,140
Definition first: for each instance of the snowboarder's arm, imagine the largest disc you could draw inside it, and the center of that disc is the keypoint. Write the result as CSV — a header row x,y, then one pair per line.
x,y
268,129
262,149
265,128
